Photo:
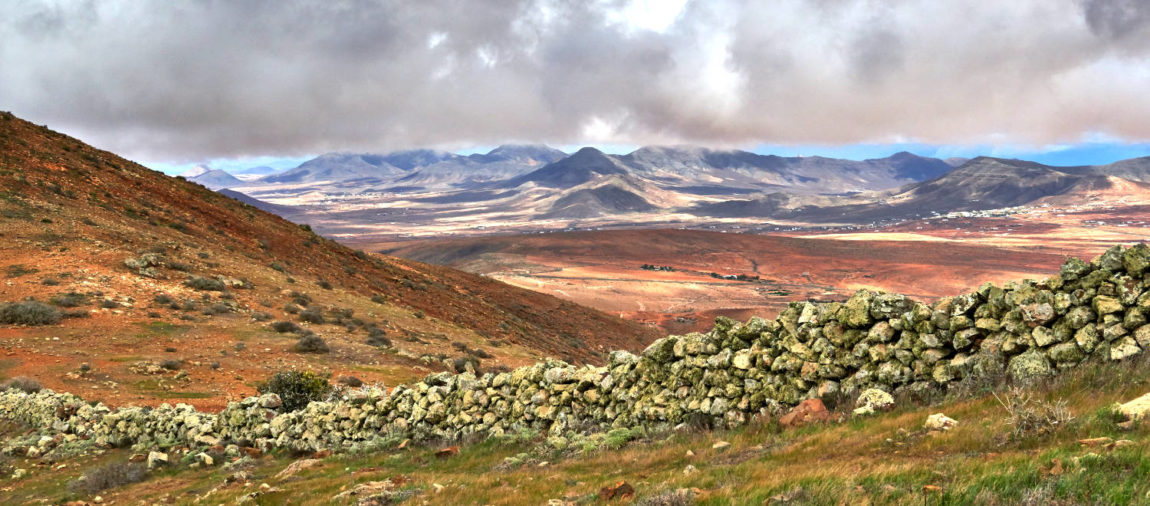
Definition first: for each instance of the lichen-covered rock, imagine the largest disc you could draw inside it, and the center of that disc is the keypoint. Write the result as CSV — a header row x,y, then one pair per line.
x,y
856,312
1029,366
1136,259
872,400
1104,305
1073,269
1066,353
1124,348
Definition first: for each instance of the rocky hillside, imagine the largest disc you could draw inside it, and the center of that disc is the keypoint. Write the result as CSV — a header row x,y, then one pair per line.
x,y
146,268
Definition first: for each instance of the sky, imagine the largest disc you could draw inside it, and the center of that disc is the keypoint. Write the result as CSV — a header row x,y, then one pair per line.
x,y
237,84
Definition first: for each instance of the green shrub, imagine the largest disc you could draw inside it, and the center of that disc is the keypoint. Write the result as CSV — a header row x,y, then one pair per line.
x,y
70,299
285,327
29,313
377,337
311,343
312,315
110,476
24,384
325,284
296,389
208,284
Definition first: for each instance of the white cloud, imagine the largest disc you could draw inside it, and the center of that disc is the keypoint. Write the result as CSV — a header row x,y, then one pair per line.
x,y
196,80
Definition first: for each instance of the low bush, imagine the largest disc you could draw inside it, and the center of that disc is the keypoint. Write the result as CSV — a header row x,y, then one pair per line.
x,y
311,343
109,476
296,388
1029,417
70,299
325,284
350,381
285,327
311,315
171,364
109,304
261,316
24,384
206,284
29,313
378,337
217,308
163,299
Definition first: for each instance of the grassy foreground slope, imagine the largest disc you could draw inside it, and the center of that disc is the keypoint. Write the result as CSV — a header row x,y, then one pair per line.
x,y
988,458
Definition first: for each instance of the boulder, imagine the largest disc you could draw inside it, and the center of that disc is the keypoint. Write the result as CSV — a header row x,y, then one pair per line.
x,y
856,312
871,400
939,422
1136,409
808,411
1124,348
1136,259
1029,366
157,459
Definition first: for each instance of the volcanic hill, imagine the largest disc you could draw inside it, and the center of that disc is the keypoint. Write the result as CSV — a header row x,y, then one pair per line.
x,y
171,291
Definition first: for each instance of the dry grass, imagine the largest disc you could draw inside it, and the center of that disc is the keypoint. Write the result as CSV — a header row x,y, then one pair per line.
x,y
886,459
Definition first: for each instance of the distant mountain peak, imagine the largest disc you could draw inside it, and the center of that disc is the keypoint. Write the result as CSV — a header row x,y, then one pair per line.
x,y
196,171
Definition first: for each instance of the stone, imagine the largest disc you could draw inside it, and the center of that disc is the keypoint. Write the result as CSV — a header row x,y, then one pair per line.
x,y
1136,409
1124,348
1111,260
661,351
721,445
1029,366
1073,269
157,459
743,359
295,467
886,306
1136,259
1104,305
856,311
1037,313
1087,338
939,422
1066,353
270,401
807,412
872,400
1043,336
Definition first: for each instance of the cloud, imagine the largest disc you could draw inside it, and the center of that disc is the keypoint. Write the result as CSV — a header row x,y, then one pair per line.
x,y
206,79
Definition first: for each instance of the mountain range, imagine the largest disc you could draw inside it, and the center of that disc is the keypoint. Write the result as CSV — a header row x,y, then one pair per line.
x,y
535,186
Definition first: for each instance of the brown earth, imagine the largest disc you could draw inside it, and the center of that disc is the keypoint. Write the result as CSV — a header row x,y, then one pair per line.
x,y
603,269
71,214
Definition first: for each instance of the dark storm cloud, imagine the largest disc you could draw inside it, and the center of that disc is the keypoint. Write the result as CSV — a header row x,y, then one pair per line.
x,y
1117,18
197,79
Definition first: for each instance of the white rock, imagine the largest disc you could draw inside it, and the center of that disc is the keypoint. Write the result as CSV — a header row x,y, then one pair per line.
x,y
939,421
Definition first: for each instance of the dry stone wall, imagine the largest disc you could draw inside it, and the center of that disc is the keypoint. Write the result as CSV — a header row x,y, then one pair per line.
x,y
873,340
